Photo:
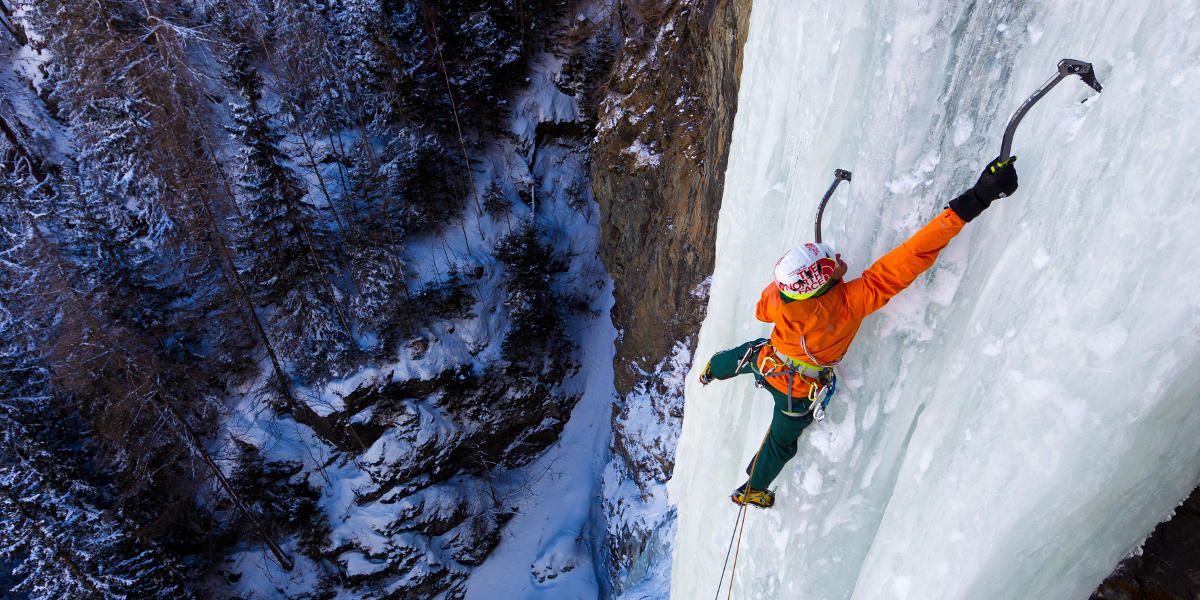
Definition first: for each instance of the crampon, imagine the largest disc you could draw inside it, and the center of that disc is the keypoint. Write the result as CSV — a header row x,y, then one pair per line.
x,y
745,494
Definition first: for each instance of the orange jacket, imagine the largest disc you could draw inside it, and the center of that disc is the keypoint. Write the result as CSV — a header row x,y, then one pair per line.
x,y
826,325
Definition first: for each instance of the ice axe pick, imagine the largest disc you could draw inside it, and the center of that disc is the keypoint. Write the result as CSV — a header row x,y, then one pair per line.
x,y
1066,67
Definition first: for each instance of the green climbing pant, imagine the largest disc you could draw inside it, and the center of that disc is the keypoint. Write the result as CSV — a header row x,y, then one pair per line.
x,y
780,444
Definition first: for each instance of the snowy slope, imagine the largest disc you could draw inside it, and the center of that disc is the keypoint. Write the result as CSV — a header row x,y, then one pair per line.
x,y
1019,420
547,509
549,547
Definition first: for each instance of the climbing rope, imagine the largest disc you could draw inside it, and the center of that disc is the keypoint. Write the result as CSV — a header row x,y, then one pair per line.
x,y
738,549
732,534
738,530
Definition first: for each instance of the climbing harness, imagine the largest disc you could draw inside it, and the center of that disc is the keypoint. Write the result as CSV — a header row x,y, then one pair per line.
x,y
821,379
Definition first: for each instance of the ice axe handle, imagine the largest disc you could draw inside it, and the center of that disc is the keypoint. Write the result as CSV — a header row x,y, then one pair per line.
x,y
839,175
1066,67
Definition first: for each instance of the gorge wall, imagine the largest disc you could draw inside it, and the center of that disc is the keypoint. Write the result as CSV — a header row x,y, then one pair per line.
x,y
660,152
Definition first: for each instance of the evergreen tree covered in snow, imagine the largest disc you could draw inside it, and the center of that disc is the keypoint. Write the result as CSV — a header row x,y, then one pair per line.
x,y
63,545
123,299
278,493
111,210
405,54
125,213
66,548
287,249
415,185
535,311
429,179
90,339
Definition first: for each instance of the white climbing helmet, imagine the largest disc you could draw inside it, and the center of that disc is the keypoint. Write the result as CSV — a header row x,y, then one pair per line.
x,y
804,270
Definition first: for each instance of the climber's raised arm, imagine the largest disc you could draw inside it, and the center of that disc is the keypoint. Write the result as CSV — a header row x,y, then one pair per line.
x,y
897,269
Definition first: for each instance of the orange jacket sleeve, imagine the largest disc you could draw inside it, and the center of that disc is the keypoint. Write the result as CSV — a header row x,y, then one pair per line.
x,y
766,310
897,269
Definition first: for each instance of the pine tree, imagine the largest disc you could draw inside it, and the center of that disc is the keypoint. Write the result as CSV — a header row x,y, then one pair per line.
x,y
535,335
427,175
123,211
278,493
112,215
39,437
386,72
64,546
282,240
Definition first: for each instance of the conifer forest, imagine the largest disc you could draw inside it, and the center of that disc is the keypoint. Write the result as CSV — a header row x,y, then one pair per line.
x,y
287,287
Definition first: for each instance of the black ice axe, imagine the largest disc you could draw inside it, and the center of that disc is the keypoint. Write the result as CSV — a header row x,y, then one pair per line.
x,y
839,175
1066,67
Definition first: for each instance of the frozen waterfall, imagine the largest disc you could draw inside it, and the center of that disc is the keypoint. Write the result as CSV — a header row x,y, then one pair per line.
x,y
1017,421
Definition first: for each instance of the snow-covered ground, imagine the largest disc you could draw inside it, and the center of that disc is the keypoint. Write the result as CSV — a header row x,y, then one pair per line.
x,y
549,548
1017,422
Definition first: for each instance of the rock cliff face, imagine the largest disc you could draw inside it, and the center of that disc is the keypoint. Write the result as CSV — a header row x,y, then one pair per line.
x,y
662,143
660,153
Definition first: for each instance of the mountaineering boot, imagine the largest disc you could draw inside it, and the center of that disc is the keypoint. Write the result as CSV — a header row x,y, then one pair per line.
x,y
706,375
745,494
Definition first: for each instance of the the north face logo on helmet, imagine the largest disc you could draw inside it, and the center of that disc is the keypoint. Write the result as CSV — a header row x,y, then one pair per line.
x,y
802,271
812,277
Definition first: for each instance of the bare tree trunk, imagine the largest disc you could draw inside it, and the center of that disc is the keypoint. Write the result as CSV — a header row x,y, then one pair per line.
x,y
521,22
293,109
337,306
462,144
6,16
312,162
212,157
194,443
374,162
227,262
341,148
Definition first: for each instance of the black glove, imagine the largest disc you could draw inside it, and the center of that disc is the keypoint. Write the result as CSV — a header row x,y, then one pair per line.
x,y
997,181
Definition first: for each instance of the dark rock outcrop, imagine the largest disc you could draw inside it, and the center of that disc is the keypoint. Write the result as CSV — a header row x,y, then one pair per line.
x,y
1168,568
659,166
431,447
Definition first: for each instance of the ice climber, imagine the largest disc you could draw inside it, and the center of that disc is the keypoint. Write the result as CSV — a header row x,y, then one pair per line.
x,y
816,315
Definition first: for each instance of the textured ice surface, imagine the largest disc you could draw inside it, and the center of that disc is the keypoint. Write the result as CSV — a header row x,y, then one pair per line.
x,y
1019,420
